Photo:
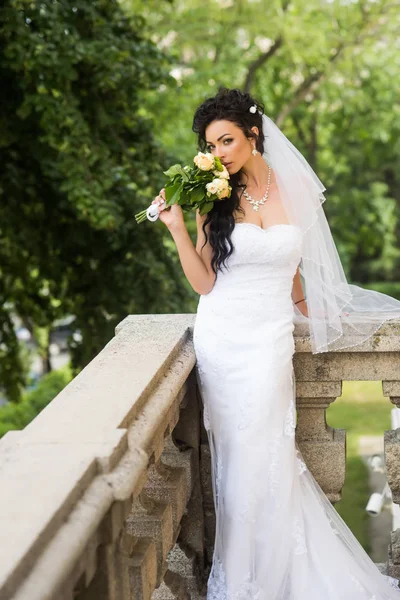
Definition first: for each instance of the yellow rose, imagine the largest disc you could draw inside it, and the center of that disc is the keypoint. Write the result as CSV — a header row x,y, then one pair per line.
x,y
212,187
218,186
204,161
223,188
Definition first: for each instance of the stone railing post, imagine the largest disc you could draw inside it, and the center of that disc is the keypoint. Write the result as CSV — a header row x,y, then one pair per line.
x,y
318,384
392,460
323,447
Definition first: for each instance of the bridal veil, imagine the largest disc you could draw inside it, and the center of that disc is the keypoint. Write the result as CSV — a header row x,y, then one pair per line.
x,y
340,315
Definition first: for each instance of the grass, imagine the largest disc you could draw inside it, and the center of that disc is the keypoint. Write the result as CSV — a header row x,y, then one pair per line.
x,y
361,410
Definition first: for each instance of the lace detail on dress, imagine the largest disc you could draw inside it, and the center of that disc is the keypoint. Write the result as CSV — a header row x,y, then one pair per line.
x,y
248,513
331,523
216,590
246,414
248,590
289,426
273,468
245,420
299,537
361,588
218,477
393,582
206,417
300,462
199,370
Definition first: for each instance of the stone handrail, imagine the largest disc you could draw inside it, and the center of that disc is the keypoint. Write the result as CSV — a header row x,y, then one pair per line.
x,y
93,490
97,490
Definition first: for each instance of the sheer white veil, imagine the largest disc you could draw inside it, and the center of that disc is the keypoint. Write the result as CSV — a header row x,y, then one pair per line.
x,y
340,315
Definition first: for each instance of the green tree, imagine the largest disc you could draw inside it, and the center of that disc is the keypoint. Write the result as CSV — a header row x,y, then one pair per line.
x,y
77,160
327,73
17,416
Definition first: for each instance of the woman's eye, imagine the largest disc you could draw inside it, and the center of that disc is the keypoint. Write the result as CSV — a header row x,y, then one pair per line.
x,y
209,149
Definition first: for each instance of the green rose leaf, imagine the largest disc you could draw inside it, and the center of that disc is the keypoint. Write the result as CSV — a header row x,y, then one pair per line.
x,y
174,170
197,195
184,196
206,208
176,194
170,189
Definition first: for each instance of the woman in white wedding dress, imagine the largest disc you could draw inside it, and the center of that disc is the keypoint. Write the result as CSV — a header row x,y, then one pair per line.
x,y
277,535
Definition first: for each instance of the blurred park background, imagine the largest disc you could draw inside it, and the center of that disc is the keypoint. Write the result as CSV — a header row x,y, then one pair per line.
x,y
97,100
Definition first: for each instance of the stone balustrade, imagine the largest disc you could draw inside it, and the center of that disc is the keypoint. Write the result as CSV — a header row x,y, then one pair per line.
x,y
107,495
97,489
319,382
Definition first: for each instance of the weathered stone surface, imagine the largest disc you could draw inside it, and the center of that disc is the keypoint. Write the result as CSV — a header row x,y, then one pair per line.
x,y
72,474
111,390
44,483
318,389
392,460
347,366
394,555
327,462
385,339
142,566
154,522
89,448
311,420
45,574
391,388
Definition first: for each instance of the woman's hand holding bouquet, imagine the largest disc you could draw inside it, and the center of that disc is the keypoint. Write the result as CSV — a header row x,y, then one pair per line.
x,y
188,189
173,217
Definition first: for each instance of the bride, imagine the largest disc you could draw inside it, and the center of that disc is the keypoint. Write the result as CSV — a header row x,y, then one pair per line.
x,y
265,259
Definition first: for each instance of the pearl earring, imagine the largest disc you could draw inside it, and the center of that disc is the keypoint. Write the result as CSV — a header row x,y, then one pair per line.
x,y
254,152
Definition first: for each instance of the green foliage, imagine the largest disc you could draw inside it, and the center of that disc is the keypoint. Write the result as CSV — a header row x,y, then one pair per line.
x,y
327,74
391,288
13,373
77,159
97,100
17,416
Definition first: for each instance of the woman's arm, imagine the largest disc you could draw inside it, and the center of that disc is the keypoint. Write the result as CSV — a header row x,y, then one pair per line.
x,y
201,280
298,294
195,264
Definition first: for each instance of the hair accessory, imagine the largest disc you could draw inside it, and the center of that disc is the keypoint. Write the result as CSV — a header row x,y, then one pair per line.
x,y
253,109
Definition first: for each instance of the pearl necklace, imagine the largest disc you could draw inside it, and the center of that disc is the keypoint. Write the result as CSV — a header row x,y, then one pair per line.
x,y
256,203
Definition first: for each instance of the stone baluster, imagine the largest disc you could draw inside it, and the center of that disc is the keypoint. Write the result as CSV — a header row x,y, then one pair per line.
x,y
323,447
169,510
143,542
133,508
392,460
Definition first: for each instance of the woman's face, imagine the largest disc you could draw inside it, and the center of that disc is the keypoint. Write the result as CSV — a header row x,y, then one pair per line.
x,y
227,141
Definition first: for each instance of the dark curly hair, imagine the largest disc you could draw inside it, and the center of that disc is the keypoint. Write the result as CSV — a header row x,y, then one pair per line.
x,y
230,105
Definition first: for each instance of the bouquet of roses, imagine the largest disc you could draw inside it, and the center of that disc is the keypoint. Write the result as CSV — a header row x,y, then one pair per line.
x,y
193,188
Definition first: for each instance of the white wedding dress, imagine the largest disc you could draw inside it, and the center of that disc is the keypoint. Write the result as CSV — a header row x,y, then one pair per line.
x,y
277,535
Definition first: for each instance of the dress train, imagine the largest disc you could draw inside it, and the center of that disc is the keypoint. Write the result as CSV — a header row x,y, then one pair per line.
x,y
277,535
